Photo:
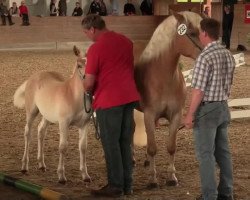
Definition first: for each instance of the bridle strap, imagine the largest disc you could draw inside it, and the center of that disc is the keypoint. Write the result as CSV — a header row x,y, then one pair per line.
x,y
192,40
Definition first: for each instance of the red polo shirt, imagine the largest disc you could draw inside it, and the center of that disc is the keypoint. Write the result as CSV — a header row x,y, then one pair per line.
x,y
111,60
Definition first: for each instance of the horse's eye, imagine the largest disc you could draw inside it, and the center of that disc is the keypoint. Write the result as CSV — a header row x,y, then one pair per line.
x,y
193,34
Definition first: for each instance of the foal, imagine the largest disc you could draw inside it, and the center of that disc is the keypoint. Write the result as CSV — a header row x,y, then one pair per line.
x,y
59,101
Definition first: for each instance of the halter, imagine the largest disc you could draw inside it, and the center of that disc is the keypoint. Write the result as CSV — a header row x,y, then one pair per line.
x,y
182,30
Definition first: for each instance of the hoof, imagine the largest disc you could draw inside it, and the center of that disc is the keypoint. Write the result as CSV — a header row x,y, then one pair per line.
x,y
152,186
146,163
133,163
87,180
43,169
172,183
24,171
62,182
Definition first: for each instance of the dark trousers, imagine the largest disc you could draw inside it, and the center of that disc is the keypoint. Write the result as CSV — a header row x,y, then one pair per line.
x,y
116,131
25,18
226,38
4,19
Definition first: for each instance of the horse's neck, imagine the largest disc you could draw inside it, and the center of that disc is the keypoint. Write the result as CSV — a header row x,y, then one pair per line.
x,y
167,64
76,85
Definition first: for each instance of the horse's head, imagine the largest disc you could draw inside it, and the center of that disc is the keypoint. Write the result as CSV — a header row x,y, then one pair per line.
x,y
177,35
79,68
187,41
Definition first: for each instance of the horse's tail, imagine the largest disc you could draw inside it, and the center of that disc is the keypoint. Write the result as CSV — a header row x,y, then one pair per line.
x,y
19,96
140,136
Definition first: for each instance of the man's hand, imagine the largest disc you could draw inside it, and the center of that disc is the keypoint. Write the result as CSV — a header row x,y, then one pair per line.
x,y
196,98
188,121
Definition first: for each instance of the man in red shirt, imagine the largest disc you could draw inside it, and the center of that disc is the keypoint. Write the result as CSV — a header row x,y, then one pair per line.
x,y
109,76
23,11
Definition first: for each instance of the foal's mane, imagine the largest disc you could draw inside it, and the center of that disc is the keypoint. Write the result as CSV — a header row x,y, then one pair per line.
x,y
164,35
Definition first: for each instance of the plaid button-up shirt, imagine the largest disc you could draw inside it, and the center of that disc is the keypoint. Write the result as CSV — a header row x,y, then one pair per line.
x,y
213,72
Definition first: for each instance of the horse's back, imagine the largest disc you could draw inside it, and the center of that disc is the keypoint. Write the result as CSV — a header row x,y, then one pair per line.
x,y
46,77
43,91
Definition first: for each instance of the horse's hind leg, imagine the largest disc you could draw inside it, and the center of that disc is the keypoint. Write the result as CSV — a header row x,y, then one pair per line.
x,y
63,145
149,120
82,150
30,116
171,147
42,129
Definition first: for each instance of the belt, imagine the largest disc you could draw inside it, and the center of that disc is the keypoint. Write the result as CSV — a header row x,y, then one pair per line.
x,y
208,102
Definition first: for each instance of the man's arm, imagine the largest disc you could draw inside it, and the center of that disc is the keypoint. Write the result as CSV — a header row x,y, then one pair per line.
x,y
89,83
196,98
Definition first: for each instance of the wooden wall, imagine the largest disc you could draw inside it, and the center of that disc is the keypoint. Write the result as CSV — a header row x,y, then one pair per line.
x,y
61,32
241,30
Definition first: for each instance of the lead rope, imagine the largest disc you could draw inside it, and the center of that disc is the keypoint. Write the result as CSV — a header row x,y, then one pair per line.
x,y
88,96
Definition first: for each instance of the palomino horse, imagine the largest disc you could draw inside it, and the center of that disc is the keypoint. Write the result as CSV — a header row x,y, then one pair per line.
x,y
160,81
58,101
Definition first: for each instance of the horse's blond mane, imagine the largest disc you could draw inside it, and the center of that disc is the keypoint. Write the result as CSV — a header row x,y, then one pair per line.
x,y
164,34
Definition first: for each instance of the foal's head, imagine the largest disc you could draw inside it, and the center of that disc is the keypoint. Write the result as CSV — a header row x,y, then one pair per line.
x,y
80,62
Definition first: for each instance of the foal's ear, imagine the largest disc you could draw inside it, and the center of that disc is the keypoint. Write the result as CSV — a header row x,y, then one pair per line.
x,y
194,9
76,50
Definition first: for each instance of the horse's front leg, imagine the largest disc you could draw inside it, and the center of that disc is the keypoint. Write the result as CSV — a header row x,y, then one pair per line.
x,y
149,121
171,147
42,129
83,149
63,145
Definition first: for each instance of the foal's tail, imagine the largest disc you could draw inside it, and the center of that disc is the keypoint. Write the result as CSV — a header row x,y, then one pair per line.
x,y
19,98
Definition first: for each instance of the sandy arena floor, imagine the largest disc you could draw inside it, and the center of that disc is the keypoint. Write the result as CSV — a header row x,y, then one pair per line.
x,y
18,66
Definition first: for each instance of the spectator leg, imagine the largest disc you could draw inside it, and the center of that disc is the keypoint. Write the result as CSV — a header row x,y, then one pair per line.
x,y
3,20
10,20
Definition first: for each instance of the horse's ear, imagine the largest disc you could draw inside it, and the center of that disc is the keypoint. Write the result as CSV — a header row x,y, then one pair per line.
x,y
171,12
203,16
178,16
194,9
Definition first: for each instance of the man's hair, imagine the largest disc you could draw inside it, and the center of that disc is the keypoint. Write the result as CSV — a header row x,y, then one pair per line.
x,y
93,20
211,27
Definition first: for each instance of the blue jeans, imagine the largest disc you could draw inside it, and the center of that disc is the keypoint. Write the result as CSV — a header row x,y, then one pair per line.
x,y
211,146
116,130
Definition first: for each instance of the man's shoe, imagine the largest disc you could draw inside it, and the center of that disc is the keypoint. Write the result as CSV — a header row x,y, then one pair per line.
x,y
128,192
199,197
107,191
12,23
224,197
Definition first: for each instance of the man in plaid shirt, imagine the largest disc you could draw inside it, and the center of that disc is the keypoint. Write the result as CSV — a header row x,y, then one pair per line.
x,y
209,114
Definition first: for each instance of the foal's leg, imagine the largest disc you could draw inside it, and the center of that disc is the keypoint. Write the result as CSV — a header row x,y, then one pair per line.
x,y
171,147
42,129
30,116
63,145
83,149
149,120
